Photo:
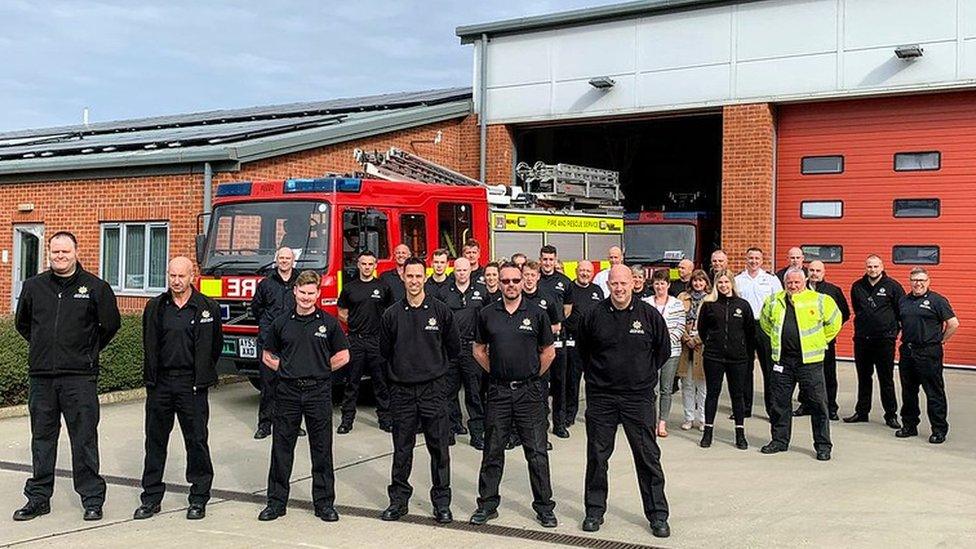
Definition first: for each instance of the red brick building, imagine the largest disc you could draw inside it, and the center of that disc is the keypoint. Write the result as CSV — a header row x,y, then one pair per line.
x,y
132,191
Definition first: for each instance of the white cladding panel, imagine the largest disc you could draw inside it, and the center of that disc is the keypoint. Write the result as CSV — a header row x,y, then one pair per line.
x,y
771,50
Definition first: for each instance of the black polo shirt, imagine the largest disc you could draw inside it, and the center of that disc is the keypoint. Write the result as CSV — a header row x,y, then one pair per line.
x,y
493,296
678,286
392,279
584,299
546,302
434,288
623,349
557,285
465,306
366,302
418,343
513,339
922,317
177,337
305,344
876,307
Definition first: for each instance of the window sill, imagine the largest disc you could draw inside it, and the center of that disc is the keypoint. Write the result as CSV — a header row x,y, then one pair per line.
x,y
136,293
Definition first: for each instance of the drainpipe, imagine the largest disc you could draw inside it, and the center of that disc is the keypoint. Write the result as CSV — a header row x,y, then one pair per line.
x,y
207,195
482,104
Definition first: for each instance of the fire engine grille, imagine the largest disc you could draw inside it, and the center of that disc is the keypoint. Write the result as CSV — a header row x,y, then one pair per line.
x,y
237,313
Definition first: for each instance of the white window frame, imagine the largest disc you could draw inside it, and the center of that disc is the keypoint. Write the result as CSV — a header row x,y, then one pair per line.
x,y
123,226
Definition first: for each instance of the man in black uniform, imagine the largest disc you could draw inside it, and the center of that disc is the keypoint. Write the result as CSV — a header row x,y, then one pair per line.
x,y
513,343
181,340
685,268
585,296
67,316
304,346
874,298
394,278
472,252
465,298
536,297
438,279
816,282
419,339
927,323
557,285
624,342
361,305
273,297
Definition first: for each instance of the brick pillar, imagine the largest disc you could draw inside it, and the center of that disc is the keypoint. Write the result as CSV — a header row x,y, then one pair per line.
x,y
501,151
748,147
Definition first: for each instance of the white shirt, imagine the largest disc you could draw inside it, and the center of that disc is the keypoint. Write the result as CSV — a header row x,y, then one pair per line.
x,y
673,312
601,279
756,290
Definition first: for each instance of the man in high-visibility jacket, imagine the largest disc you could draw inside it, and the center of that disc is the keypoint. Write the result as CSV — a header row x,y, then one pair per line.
x,y
800,323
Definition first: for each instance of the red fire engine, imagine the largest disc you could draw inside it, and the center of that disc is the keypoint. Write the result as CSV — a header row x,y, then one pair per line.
x,y
401,198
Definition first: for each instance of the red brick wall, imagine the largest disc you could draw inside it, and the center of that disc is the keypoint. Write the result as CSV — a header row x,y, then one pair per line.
x,y
501,151
80,206
748,145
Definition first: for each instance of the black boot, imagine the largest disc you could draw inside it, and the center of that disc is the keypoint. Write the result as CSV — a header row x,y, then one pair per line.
x,y
740,438
706,440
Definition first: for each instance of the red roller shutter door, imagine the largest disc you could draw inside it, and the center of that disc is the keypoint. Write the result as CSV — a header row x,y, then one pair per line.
x,y
867,134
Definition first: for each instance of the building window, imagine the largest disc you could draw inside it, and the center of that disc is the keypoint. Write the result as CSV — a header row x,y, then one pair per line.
x,y
822,209
134,256
916,207
918,161
453,227
915,255
413,233
828,253
815,165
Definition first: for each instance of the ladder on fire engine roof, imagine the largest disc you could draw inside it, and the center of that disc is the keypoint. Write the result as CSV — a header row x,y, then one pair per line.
x,y
560,185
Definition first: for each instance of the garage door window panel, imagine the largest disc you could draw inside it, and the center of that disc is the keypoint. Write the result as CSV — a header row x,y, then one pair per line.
x,y
818,165
915,255
828,253
822,209
916,207
918,161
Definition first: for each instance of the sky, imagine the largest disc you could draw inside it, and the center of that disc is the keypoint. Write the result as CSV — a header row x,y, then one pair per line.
x,y
131,58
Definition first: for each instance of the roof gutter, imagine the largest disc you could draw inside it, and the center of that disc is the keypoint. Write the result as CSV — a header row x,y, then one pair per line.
x,y
472,33
114,160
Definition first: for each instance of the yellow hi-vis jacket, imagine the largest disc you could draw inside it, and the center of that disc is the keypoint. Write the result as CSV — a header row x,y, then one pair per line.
x,y
817,317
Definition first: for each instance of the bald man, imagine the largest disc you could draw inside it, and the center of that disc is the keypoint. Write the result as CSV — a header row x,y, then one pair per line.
x,y
394,277
616,257
182,340
685,268
623,342
794,260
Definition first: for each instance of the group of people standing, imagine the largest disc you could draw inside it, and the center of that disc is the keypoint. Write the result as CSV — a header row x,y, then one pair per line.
x,y
513,335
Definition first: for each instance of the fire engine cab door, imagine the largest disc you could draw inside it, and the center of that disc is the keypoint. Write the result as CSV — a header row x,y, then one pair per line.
x,y
363,229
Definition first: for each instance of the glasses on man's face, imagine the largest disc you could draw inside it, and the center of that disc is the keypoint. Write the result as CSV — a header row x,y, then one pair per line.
x,y
510,280
918,280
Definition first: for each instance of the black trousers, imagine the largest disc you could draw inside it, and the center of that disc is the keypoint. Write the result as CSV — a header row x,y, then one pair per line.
x,y
466,372
173,396
522,408
365,358
266,407
313,401
737,373
636,412
75,398
872,355
764,352
786,375
424,405
574,373
830,378
921,366
557,386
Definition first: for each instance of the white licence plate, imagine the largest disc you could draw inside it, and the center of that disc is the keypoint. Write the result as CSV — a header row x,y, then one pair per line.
x,y
247,347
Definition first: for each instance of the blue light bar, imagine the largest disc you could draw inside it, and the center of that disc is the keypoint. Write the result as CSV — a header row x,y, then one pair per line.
x,y
239,188
323,185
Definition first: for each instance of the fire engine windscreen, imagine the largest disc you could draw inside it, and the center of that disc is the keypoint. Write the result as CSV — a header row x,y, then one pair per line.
x,y
659,242
243,238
